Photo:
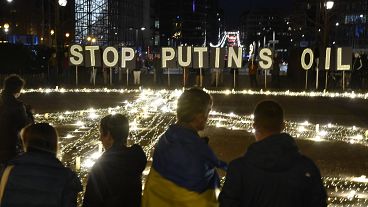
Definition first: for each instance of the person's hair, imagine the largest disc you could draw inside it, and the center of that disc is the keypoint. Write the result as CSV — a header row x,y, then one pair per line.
x,y
40,136
269,115
117,125
192,102
13,84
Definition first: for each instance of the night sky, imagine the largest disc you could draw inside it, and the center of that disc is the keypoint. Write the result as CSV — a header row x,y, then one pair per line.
x,y
233,8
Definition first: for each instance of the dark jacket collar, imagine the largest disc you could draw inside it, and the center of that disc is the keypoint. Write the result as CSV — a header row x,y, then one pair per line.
x,y
37,157
277,152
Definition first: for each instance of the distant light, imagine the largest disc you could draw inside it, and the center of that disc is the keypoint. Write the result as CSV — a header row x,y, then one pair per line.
x,y
67,34
143,28
41,38
6,26
329,4
93,40
361,16
52,32
337,24
9,1
319,30
89,39
291,40
302,35
334,42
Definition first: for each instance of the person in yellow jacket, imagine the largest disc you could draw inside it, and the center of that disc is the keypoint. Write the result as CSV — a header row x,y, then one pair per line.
x,y
183,171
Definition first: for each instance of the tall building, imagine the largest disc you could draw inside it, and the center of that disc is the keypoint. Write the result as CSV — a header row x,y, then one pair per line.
x,y
351,24
34,22
112,22
343,24
191,22
266,28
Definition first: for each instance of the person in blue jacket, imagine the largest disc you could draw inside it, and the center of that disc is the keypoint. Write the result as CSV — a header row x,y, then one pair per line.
x,y
272,173
183,171
37,178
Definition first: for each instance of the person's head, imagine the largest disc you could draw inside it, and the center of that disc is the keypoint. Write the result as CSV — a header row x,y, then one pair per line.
x,y
356,55
193,108
114,130
268,119
13,84
41,136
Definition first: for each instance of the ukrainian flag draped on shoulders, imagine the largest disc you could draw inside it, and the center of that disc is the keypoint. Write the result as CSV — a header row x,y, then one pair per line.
x,y
183,171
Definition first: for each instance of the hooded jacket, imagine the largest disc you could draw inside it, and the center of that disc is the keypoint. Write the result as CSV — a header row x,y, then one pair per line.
x,y
183,171
37,179
185,159
273,173
115,179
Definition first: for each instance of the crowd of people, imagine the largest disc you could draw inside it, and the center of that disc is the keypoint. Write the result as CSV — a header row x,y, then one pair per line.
x,y
272,172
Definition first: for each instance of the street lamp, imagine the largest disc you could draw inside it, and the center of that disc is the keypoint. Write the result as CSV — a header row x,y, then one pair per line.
x,y
9,1
6,27
329,4
62,2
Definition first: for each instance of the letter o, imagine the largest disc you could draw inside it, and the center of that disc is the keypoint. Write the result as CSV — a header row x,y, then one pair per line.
x,y
302,59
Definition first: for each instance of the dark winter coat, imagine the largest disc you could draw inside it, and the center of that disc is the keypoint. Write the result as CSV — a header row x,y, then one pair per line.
x,y
115,179
273,173
40,179
13,117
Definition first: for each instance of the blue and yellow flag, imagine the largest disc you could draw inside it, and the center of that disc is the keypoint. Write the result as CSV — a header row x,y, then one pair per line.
x,y
183,171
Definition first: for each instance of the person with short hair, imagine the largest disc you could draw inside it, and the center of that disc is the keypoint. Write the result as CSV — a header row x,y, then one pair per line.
x,y
14,115
115,179
183,171
272,173
37,178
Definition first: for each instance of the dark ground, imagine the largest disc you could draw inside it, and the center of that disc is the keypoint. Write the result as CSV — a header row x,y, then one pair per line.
x,y
334,158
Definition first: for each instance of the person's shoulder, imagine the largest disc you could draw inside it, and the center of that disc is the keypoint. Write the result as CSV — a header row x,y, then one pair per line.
x,y
307,163
137,151
238,163
73,180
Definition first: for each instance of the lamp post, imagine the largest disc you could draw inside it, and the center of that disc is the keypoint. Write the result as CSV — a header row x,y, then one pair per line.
x,y
136,39
6,30
328,6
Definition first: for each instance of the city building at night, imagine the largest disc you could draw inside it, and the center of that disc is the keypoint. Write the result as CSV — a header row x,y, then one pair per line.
x,y
112,22
352,24
261,26
338,22
189,22
36,22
